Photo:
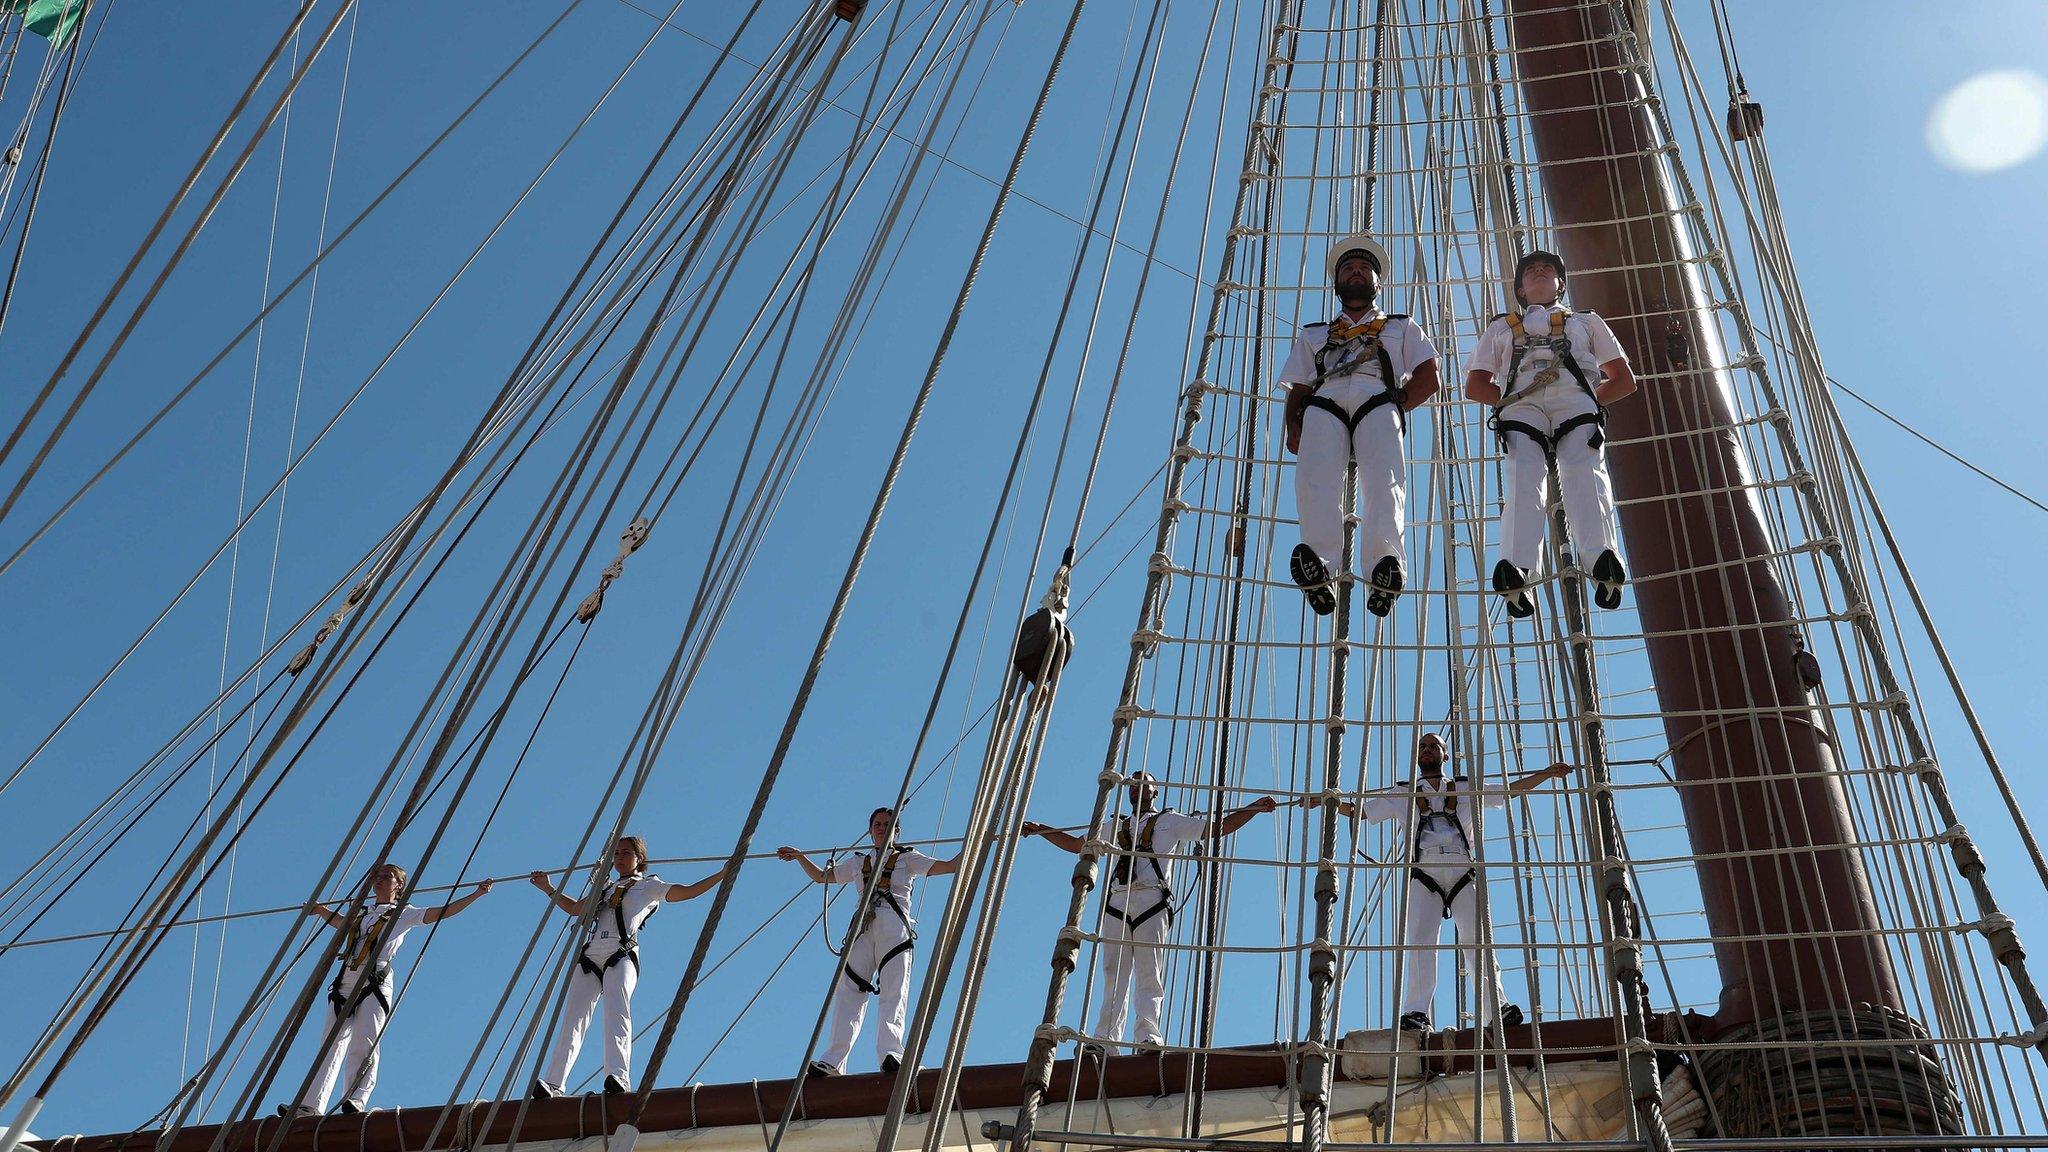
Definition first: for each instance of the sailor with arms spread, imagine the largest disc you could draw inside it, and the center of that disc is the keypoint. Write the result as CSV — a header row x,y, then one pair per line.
x,y
608,964
1442,880
359,1000
1351,383
1550,373
1137,911
877,962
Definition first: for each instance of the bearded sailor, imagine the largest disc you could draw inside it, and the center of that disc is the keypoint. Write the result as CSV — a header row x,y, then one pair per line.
x,y
1550,374
1443,881
877,962
1137,911
1351,383
359,1000
608,965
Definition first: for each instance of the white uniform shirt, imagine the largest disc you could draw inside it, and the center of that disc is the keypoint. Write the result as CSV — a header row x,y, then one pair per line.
x,y
1593,344
1408,348
637,896
1436,835
400,921
910,866
1170,830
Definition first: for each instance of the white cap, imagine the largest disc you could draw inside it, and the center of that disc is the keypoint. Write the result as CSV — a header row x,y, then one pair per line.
x,y
1356,242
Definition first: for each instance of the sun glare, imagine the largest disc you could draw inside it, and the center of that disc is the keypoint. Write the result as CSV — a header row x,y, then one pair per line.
x,y
1990,122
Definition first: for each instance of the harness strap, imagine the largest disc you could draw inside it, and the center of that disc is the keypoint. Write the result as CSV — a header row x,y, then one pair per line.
x,y
1439,891
379,987
1549,441
868,984
1164,905
1561,348
1372,346
883,897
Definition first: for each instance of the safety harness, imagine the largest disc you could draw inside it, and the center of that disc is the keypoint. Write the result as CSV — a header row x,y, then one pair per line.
x,y
883,898
1126,857
1338,336
629,937
1559,342
359,947
1433,813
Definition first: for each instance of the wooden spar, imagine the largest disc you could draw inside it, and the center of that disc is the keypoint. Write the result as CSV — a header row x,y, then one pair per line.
x,y
982,1087
1753,768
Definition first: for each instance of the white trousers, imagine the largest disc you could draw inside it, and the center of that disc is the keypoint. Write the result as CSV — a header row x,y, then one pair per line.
x,y
1133,968
1424,930
1319,477
353,1047
1581,475
864,956
585,992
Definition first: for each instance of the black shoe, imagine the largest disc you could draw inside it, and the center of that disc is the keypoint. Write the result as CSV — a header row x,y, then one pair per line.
x,y
1093,1051
1608,577
1415,1022
348,1108
1512,583
890,1064
820,1068
1511,1015
1313,575
1386,584
613,1086
292,1111
540,1091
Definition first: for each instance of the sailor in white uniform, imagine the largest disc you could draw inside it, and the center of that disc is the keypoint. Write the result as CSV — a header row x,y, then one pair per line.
x,y
877,962
359,1000
1550,374
1442,881
1137,910
608,964
1351,383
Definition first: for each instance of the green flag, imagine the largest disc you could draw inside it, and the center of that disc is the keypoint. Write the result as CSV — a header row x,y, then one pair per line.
x,y
54,19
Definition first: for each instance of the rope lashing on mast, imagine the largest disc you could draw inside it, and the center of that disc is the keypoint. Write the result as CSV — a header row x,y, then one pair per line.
x,y
629,542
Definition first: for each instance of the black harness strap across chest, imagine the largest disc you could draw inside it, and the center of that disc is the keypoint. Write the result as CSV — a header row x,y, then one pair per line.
x,y
883,898
628,951
1561,347
1372,345
1125,858
1431,814
360,944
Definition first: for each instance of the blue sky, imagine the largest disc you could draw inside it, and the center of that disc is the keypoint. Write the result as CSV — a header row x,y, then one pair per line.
x,y
1923,284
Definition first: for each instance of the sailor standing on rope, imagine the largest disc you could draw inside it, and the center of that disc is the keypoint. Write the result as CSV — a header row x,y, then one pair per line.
x,y
359,1000
1442,880
1351,383
1138,908
608,965
878,959
1550,374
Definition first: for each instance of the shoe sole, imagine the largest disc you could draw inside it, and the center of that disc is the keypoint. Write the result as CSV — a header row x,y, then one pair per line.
x,y
1381,600
1313,578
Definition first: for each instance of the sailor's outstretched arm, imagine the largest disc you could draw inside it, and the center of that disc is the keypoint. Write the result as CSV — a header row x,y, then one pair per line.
x,y
453,906
946,867
1345,808
678,892
315,908
812,870
1064,841
1539,776
540,881
1238,819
